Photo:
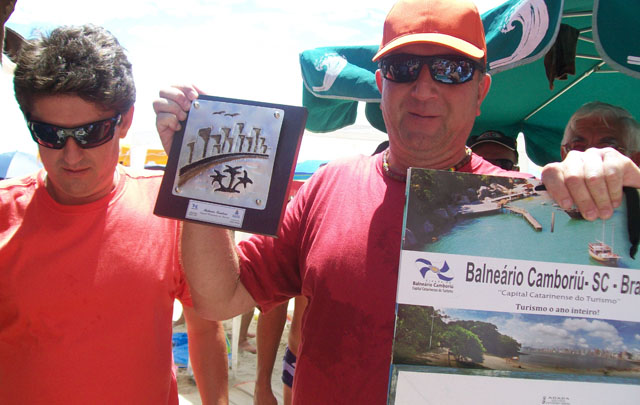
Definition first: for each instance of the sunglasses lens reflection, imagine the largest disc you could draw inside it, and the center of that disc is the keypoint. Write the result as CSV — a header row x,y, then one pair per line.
x,y
86,136
443,69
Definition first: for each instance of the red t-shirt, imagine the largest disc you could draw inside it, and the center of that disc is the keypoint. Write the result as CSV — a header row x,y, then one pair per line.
x,y
340,247
86,296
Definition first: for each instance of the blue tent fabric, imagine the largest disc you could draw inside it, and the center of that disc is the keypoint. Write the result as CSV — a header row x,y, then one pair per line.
x,y
180,343
180,349
17,164
305,169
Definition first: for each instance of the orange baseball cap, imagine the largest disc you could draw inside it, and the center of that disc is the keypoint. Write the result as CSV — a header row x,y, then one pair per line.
x,y
455,24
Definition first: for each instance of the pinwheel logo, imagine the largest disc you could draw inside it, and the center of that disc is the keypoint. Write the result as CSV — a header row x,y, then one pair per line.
x,y
426,266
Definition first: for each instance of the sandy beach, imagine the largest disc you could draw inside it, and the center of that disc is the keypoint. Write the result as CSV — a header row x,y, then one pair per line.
x,y
500,363
242,380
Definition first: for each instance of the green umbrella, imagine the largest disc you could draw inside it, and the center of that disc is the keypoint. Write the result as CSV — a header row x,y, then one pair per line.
x,y
335,79
519,35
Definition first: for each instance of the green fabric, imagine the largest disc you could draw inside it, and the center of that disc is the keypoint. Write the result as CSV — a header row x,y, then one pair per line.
x,y
521,86
617,34
507,44
335,80
326,114
374,116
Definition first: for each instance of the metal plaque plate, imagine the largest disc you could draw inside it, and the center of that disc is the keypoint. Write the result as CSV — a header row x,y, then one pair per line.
x,y
231,164
228,152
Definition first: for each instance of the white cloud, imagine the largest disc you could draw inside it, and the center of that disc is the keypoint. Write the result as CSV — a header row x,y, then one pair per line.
x,y
532,334
598,331
543,335
582,343
592,326
571,333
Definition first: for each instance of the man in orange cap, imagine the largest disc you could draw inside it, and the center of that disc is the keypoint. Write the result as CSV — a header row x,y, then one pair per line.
x,y
340,240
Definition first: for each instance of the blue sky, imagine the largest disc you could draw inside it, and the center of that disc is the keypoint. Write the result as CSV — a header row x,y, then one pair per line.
x,y
232,48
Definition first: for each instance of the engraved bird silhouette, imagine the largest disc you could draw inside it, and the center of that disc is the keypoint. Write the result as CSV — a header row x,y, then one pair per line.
x,y
218,112
231,114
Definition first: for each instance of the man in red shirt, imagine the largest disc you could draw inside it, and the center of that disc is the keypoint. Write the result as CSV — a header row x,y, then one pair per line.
x,y
339,244
88,274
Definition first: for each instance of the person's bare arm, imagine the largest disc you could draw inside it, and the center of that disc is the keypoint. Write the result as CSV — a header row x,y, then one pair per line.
x,y
208,252
592,180
208,355
270,327
211,265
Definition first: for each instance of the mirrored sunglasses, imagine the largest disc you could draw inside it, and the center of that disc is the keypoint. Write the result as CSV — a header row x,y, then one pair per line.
x,y
86,136
405,68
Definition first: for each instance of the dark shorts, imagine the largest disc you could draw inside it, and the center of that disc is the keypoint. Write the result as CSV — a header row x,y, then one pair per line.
x,y
288,367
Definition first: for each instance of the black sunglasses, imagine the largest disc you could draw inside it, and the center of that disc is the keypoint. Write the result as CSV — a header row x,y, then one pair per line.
x,y
582,145
447,69
505,164
87,136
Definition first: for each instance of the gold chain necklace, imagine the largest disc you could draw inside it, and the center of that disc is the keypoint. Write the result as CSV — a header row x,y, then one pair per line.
x,y
397,176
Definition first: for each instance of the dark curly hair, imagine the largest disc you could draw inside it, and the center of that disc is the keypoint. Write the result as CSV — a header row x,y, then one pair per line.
x,y
86,61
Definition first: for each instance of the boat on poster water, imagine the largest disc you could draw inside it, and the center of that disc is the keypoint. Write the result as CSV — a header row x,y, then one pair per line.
x,y
602,252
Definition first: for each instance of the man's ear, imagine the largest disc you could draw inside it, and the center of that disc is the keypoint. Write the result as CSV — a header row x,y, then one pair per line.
x,y
483,90
379,80
125,123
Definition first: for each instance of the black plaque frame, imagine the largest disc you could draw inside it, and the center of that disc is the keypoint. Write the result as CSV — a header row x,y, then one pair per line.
x,y
262,221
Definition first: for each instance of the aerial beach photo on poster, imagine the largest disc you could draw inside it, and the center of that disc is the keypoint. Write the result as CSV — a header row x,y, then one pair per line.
x,y
520,345
519,219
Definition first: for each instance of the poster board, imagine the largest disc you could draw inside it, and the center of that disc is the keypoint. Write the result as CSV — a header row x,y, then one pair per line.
x,y
500,301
